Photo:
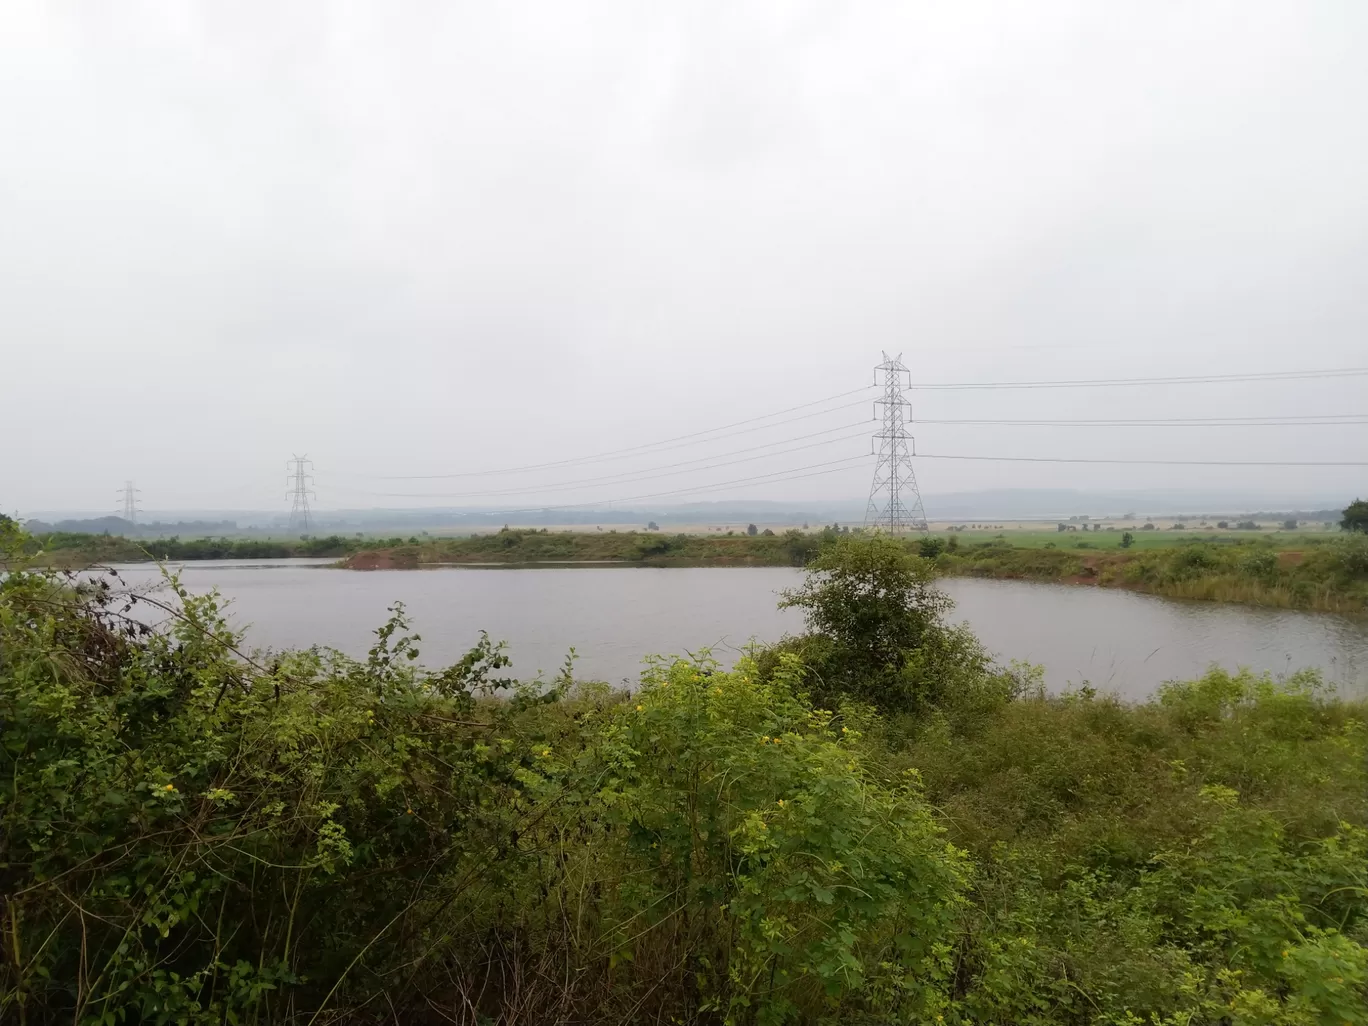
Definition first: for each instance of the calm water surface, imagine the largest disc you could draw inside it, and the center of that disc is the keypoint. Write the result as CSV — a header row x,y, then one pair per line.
x,y
1115,640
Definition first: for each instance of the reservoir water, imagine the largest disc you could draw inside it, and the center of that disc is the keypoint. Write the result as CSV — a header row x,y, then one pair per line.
x,y
1115,640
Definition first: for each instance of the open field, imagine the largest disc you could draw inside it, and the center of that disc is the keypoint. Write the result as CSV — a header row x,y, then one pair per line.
x,y
1037,537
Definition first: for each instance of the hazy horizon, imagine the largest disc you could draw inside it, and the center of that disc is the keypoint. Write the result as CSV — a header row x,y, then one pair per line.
x,y
425,239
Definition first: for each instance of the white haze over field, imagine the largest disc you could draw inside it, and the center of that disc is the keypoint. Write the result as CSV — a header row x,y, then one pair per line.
x,y
425,238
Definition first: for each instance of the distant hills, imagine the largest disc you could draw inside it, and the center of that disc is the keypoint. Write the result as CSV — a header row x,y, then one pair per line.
x,y
120,526
1001,504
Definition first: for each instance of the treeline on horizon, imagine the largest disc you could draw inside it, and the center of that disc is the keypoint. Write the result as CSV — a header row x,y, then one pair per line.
x,y
109,548
872,821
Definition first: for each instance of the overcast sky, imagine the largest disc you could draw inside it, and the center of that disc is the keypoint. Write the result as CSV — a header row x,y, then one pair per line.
x,y
427,238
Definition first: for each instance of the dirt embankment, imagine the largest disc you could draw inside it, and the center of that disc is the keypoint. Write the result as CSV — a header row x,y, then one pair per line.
x,y
382,559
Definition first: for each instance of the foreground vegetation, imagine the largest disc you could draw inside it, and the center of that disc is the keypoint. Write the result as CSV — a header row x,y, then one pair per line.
x,y
869,823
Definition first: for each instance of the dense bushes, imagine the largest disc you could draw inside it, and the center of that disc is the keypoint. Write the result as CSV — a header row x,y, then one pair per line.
x,y
1201,858
191,836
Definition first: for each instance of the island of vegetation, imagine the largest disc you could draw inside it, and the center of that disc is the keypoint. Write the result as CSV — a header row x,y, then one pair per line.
x,y
872,822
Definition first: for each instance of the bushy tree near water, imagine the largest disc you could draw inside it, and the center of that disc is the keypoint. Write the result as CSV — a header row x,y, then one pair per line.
x,y
877,632
1355,516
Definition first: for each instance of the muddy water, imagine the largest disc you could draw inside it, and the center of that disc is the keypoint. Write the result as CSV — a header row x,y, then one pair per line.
x,y
1115,640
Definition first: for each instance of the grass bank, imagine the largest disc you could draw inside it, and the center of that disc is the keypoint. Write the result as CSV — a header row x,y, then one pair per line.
x,y
513,547
191,836
1317,573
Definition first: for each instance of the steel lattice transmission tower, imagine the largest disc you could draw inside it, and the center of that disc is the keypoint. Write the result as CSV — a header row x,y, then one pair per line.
x,y
130,502
895,503
301,487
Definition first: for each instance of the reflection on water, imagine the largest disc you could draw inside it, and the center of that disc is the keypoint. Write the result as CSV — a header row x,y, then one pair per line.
x,y
1116,640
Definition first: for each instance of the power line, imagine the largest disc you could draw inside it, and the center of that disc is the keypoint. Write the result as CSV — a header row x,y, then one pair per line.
x,y
794,474
1192,379
663,444
1160,463
623,478
1326,420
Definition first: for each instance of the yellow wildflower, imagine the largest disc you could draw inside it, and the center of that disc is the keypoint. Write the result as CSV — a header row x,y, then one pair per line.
x,y
640,708
845,730
170,787
781,803
546,752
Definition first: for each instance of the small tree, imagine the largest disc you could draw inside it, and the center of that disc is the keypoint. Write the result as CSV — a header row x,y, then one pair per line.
x,y
1355,516
870,596
752,530
1127,540
877,631
653,526
1289,525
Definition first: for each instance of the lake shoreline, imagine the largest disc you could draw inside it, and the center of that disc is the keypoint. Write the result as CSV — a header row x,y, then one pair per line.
x,y
1295,571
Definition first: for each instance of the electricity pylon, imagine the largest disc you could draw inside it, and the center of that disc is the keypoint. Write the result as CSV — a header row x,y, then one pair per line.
x,y
130,502
300,482
895,502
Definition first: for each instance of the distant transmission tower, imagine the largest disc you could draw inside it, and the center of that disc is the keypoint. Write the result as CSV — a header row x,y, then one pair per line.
x,y
300,482
130,502
895,503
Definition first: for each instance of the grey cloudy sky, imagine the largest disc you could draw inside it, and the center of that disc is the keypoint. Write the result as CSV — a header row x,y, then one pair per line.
x,y
424,238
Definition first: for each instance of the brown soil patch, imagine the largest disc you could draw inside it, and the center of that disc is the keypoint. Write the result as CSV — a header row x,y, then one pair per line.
x,y
378,561
1290,558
